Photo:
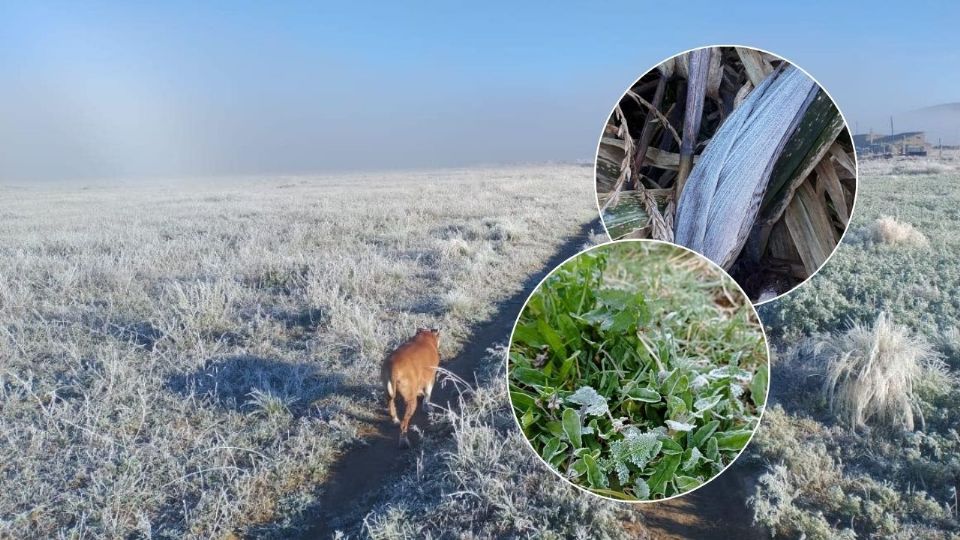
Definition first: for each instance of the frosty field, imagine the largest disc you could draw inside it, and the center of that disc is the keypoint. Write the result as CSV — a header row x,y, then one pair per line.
x,y
861,439
187,359
190,360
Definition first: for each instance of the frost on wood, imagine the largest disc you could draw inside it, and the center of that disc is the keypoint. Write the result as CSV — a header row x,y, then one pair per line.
x,y
721,198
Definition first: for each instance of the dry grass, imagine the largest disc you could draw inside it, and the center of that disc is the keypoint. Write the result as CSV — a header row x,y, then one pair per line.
x,y
887,230
196,355
874,374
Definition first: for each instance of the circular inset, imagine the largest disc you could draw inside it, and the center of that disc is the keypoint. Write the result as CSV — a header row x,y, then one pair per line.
x,y
737,154
638,370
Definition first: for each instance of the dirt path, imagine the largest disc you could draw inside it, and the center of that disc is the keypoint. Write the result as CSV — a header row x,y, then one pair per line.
x,y
358,474
715,511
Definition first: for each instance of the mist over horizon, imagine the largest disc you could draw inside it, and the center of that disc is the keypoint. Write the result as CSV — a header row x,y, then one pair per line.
x,y
127,92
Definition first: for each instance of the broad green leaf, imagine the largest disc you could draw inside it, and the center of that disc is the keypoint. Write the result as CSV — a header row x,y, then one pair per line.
x,y
567,366
671,447
670,383
683,385
578,468
705,432
622,322
571,427
619,299
528,376
712,452
703,404
551,449
552,338
686,483
522,401
733,440
676,406
528,335
646,395
598,317
555,428
758,386
594,476
662,473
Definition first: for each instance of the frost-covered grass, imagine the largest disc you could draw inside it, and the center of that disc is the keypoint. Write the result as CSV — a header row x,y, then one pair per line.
x,y
638,370
861,468
931,165
913,283
186,360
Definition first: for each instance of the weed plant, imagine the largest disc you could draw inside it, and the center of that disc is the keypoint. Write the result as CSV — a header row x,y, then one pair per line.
x,y
638,370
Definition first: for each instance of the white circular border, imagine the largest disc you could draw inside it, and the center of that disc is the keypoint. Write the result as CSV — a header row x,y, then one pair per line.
x,y
763,332
846,124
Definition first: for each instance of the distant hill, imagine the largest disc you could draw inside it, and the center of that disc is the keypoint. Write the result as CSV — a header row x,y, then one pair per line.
x,y
945,108
938,121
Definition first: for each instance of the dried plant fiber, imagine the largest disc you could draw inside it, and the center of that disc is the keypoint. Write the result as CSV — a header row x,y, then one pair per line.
x,y
721,198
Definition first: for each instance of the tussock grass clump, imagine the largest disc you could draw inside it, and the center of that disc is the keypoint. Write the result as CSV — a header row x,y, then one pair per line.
x,y
876,374
887,230
948,344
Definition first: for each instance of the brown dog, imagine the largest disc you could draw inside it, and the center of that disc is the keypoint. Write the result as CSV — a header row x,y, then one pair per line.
x,y
410,371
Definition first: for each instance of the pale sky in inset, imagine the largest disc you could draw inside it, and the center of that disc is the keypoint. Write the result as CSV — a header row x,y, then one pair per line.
x,y
98,90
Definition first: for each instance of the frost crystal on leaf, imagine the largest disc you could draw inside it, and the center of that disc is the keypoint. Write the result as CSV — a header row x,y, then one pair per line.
x,y
643,490
703,404
679,426
591,403
695,456
636,448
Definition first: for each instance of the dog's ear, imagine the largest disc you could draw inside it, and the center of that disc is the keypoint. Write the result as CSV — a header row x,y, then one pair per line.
x,y
436,330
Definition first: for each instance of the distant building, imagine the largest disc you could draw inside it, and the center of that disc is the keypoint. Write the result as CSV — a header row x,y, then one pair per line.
x,y
908,143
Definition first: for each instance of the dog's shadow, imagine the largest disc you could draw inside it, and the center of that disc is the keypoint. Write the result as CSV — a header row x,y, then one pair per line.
x,y
234,382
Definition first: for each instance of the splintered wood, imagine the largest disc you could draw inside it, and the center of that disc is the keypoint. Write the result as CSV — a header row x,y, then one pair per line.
x,y
736,154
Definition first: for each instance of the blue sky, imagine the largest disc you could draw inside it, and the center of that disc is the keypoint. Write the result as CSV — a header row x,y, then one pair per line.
x,y
137,90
